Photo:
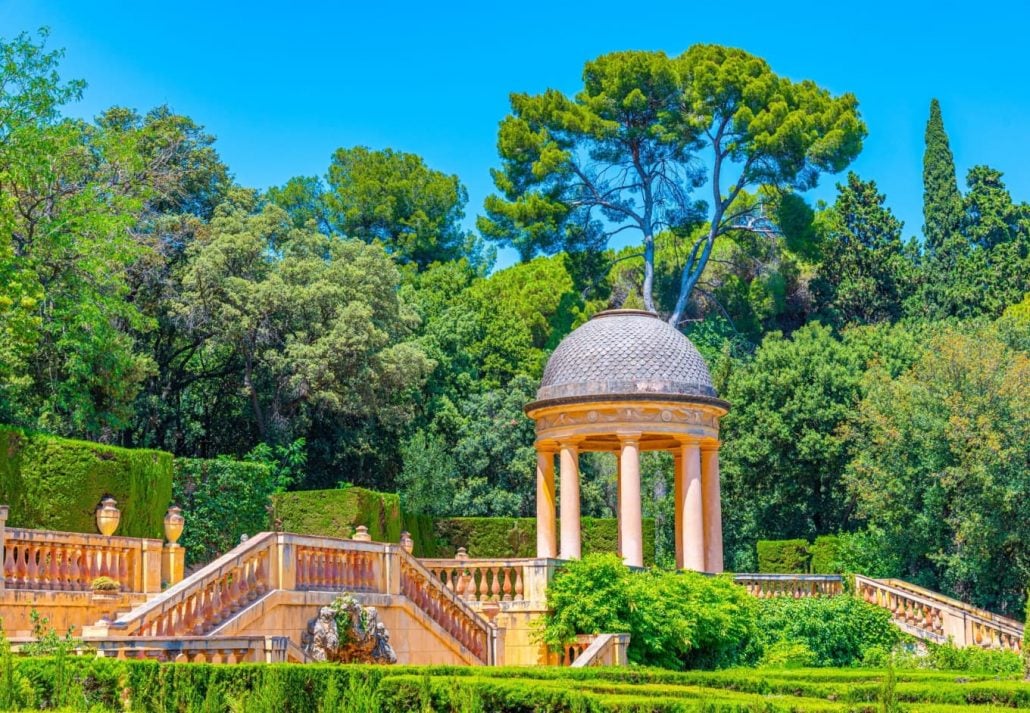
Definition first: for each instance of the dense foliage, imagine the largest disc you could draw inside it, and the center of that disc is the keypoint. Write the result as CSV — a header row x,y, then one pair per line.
x,y
877,378
825,631
675,620
224,499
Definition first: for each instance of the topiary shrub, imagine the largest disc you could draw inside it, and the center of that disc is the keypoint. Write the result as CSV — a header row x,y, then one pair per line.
x,y
782,556
221,499
824,554
56,484
337,513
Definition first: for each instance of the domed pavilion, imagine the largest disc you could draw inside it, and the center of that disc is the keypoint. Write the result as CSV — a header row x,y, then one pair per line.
x,y
626,382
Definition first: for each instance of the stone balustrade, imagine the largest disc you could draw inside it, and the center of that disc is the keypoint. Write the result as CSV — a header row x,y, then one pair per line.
x,y
202,601
329,568
482,580
189,649
604,650
70,561
932,616
446,608
798,586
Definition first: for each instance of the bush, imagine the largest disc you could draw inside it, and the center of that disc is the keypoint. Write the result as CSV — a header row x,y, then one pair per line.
x,y
824,555
839,630
675,619
782,556
56,484
221,499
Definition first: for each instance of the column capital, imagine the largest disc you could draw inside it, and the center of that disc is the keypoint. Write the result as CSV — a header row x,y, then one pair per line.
x,y
546,448
709,446
569,443
629,437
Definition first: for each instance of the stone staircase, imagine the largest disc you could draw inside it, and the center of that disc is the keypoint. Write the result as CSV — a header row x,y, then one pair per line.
x,y
273,584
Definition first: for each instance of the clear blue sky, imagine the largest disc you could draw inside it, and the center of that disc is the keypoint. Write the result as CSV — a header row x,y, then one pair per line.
x,y
282,85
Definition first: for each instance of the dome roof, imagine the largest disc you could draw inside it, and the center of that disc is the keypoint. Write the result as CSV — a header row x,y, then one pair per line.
x,y
624,353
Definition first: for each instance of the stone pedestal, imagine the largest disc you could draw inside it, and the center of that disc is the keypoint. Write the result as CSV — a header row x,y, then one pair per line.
x,y
173,564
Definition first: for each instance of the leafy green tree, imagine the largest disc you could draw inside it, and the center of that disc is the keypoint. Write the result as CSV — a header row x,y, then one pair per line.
x,y
865,274
395,198
940,466
67,249
311,326
623,154
782,477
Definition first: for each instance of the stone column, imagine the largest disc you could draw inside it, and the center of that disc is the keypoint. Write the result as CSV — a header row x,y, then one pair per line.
x,y
677,504
570,535
630,519
618,498
693,509
546,537
712,508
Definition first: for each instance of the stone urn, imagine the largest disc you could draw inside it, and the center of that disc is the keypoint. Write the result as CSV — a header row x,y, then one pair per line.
x,y
174,522
108,516
407,542
361,534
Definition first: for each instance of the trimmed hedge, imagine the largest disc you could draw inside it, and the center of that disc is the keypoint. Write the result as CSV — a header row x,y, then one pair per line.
x,y
783,556
336,513
222,499
824,555
55,483
516,537
98,684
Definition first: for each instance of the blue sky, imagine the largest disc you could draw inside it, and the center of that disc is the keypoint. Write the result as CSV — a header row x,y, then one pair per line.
x,y
282,85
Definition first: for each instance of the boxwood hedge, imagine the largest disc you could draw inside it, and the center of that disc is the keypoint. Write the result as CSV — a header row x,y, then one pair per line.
x,y
56,484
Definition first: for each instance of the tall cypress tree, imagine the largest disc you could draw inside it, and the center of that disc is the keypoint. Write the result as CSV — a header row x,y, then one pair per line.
x,y
942,203
943,211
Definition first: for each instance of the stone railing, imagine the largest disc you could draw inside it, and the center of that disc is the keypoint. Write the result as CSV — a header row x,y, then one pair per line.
x,y
481,580
282,561
190,649
446,608
208,597
70,561
934,617
765,586
604,650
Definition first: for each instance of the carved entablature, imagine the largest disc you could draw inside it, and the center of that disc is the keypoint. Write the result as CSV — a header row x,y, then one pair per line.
x,y
598,426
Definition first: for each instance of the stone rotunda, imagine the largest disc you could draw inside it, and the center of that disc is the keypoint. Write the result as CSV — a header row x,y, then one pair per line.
x,y
626,382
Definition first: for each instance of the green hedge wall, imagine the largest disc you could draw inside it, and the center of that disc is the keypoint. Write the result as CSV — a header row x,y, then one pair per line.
x,y
336,513
516,537
222,499
56,484
824,555
783,556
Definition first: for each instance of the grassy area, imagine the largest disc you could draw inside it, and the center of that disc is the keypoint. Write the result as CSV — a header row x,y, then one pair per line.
x,y
106,685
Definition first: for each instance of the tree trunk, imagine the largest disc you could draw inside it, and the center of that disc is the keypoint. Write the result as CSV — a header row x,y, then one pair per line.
x,y
648,290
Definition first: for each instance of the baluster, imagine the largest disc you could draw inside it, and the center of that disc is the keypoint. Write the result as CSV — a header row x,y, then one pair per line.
x,y
252,584
519,586
123,569
9,565
52,581
32,572
261,574
216,602
506,585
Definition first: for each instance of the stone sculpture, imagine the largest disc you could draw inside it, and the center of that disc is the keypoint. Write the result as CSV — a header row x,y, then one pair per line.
x,y
347,632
